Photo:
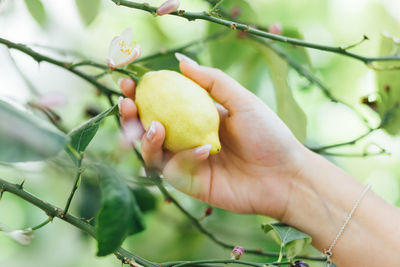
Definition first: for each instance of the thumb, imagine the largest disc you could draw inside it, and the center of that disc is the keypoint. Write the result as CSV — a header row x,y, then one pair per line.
x,y
221,86
185,168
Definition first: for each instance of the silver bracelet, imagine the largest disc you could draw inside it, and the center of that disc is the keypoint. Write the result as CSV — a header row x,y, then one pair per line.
x,y
328,252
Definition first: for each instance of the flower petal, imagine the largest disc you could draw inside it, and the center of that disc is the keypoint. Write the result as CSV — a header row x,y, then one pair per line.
x,y
126,35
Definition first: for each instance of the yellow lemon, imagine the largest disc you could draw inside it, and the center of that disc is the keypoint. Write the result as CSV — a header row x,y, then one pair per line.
x,y
184,108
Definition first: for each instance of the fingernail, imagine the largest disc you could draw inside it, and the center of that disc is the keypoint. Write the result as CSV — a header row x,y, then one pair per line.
x,y
181,57
119,102
151,132
202,150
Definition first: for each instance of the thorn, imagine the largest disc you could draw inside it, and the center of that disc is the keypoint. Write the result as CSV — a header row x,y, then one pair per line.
x,y
21,185
366,37
1,193
90,219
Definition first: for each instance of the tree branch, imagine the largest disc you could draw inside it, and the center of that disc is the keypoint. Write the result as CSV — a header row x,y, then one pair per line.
x,y
65,65
191,16
53,211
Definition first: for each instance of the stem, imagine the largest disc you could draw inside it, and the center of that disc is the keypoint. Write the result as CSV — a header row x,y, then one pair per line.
x,y
182,48
351,142
158,182
191,16
50,219
75,187
309,76
53,211
65,65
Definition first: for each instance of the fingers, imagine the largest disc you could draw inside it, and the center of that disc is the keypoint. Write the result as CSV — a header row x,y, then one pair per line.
x,y
128,87
152,142
221,87
184,169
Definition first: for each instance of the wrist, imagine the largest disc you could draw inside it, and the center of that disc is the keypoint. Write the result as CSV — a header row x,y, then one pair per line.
x,y
320,199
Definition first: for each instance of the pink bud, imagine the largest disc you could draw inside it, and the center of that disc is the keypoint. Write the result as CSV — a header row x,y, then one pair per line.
x,y
236,11
51,100
167,7
275,28
237,253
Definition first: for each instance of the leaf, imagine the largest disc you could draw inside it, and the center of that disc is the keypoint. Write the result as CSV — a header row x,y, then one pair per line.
x,y
24,137
36,8
388,87
88,10
230,49
297,53
83,135
145,199
290,238
287,108
119,214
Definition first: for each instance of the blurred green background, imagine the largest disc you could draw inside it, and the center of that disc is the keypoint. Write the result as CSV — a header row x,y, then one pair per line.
x,y
169,235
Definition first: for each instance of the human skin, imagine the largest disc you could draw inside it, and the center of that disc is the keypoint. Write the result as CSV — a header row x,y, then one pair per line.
x,y
263,169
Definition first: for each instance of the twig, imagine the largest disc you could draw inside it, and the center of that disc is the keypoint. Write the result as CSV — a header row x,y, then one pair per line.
x,y
351,142
54,211
226,261
65,65
158,182
76,184
50,219
191,16
181,48
309,76
28,83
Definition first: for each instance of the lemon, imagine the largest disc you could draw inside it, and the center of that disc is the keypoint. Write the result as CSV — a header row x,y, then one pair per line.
x,y
184,108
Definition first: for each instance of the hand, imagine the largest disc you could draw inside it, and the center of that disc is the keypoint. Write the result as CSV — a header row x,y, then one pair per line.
x,y
259,155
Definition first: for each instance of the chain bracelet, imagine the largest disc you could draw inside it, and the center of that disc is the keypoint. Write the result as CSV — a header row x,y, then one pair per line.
x,y
328,252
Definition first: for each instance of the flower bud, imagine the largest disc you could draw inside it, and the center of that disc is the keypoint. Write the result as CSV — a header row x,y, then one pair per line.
x,y
275,28
208,211
24,237
52,100
237,253
235,12
300,264
167,7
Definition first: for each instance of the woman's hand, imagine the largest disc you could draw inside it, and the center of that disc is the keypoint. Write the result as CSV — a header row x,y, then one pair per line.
x,y
259,155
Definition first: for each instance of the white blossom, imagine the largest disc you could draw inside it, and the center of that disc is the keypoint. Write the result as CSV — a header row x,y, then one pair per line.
x,y
121,51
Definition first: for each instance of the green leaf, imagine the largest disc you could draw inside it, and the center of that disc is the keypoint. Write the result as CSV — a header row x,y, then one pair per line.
x,y
119,214
290,238
230,49
388,87
83,135
145,199
297,53
24,137
88,10
36,8
287,108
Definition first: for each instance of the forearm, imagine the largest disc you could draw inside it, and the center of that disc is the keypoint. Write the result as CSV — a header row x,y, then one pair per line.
x,y
322,196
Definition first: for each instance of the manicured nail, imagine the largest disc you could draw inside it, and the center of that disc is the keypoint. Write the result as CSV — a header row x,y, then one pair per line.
x,y
202,150
119,102
180,57
151,132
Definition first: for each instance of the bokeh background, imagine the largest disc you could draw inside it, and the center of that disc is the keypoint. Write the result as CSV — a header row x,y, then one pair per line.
x,y
169,235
